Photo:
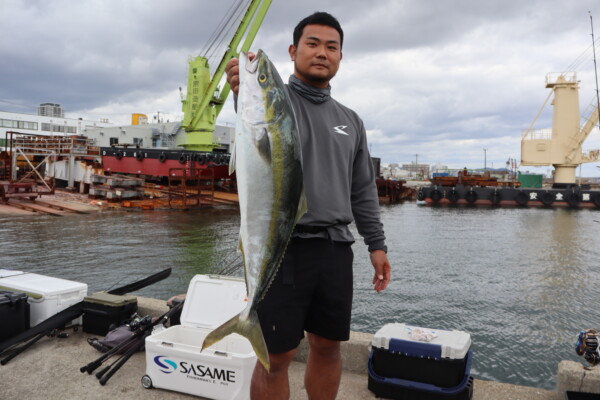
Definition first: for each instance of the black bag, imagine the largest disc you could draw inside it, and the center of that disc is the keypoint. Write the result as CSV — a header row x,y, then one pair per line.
x,y
112,339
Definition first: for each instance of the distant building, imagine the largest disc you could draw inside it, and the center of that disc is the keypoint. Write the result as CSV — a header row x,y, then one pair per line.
x,y
393,171
105,133
440,168
31,124
161,135
419,171
51,110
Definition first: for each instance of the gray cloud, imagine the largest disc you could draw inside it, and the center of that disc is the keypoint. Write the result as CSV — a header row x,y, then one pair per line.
x,y
442,79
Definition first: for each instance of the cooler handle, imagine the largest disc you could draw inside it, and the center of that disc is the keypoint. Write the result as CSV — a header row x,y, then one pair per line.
x,y
425,386
415,349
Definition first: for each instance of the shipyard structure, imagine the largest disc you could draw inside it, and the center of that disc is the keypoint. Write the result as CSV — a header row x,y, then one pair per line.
x,y
560,146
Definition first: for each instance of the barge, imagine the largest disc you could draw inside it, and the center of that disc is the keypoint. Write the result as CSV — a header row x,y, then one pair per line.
x,y
560,147
574,197
154,162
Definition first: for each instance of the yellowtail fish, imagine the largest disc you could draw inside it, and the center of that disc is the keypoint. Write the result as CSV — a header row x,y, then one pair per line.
x,y
268,165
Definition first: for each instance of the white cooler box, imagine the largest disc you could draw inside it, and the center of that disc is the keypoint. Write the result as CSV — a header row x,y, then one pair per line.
x,y
173,357
9,272
47,295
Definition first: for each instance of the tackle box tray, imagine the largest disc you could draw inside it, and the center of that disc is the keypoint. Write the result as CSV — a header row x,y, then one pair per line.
x,y
401,389
442,361
222,371
103,312
14,314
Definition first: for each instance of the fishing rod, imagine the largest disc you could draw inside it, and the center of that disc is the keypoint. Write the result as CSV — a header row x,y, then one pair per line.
x,y
72,312
56,321
21,349
136,340
105,369
123,359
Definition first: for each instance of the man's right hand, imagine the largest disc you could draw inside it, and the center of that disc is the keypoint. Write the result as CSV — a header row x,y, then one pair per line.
x,y
232,69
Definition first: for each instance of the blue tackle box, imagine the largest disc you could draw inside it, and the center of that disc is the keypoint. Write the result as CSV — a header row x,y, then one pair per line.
x,y
408,362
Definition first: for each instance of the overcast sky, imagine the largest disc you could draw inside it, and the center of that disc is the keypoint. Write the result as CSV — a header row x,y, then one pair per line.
x,y
433,80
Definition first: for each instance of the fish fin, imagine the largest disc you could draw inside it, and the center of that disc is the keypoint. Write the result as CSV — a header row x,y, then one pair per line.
x,y
302,206
241,249
241,246
232,160
263,144
249,328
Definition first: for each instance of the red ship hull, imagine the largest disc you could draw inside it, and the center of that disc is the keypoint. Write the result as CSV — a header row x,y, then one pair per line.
x,y
158,162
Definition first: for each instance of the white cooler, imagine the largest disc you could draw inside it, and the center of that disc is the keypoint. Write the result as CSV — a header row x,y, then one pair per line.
x,y
9,272
47,295
173,357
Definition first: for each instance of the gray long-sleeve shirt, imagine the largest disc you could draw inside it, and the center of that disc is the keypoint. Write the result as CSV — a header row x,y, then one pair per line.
x,y
339,178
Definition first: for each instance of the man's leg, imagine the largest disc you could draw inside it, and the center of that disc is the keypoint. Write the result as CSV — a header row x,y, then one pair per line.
x,y
323,368
272,385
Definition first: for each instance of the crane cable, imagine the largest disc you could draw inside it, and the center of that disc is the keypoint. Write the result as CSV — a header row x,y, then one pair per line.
x,y
228,19
222,34
583,57
235,20
212,39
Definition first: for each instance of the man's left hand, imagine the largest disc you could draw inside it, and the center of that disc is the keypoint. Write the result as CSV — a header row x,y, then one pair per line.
x,y
383,269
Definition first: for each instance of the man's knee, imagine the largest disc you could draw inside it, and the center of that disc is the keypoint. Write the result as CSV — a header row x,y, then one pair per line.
x,y
279,363
322,346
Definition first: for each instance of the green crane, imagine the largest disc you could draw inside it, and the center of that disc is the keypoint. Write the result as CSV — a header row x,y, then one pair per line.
x,y
204,101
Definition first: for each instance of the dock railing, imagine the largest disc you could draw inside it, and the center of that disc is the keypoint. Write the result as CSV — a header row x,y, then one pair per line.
x,y
537,134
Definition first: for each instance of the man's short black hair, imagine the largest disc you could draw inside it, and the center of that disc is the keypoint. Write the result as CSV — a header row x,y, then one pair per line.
x,y
318,18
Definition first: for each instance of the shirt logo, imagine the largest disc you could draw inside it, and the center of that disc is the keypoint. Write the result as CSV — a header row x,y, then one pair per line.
x,y
340,129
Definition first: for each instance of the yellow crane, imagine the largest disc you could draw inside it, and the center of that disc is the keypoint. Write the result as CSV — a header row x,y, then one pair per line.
x,y
561,146
204,100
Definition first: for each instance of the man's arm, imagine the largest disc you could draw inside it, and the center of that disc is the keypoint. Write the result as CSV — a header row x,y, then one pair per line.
x,y
365,208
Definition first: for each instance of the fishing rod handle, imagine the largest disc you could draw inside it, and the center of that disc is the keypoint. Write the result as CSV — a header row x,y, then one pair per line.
x,y
96,363
123,360
102,372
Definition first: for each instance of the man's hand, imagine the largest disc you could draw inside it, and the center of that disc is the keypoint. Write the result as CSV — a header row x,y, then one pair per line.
x,y
232,69
383,269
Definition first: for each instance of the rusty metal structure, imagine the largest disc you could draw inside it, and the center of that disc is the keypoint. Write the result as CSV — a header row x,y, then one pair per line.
x,y
392,191
191,187
23,165
467,179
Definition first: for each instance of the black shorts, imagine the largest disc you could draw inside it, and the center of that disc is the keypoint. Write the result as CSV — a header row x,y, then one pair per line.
x,y
312,291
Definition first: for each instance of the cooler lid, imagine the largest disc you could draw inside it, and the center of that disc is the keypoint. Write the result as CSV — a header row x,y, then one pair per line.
x,y
9,272
38,286
446,344
212,300
111,300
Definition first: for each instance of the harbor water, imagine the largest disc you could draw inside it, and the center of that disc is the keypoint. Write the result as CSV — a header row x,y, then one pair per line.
x,y
522,281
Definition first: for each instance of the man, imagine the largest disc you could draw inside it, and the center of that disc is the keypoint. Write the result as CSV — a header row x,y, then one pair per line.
x,y
312,290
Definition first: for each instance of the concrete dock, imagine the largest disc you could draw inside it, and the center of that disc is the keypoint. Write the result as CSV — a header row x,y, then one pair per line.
x,y
50,370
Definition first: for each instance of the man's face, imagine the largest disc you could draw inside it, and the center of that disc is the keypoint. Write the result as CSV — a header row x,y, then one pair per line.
x,y
317,57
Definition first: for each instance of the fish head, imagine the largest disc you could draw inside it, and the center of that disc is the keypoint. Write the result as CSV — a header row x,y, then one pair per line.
x,y
262,90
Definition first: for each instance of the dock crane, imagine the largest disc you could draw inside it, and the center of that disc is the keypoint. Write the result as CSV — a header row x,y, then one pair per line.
x,y
204,101
561,145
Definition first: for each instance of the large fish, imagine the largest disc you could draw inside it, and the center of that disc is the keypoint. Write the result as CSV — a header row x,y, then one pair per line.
x,y
268,165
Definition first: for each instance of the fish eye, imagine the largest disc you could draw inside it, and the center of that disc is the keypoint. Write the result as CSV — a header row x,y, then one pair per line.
x,y
262,78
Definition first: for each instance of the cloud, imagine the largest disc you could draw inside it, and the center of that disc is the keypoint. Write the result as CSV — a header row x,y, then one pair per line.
x,y
441,79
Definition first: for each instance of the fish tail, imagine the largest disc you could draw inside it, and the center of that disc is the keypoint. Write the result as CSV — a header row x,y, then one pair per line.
x,y
249,328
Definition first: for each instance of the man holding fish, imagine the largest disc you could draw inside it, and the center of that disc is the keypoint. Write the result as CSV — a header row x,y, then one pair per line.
x,y
312,289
